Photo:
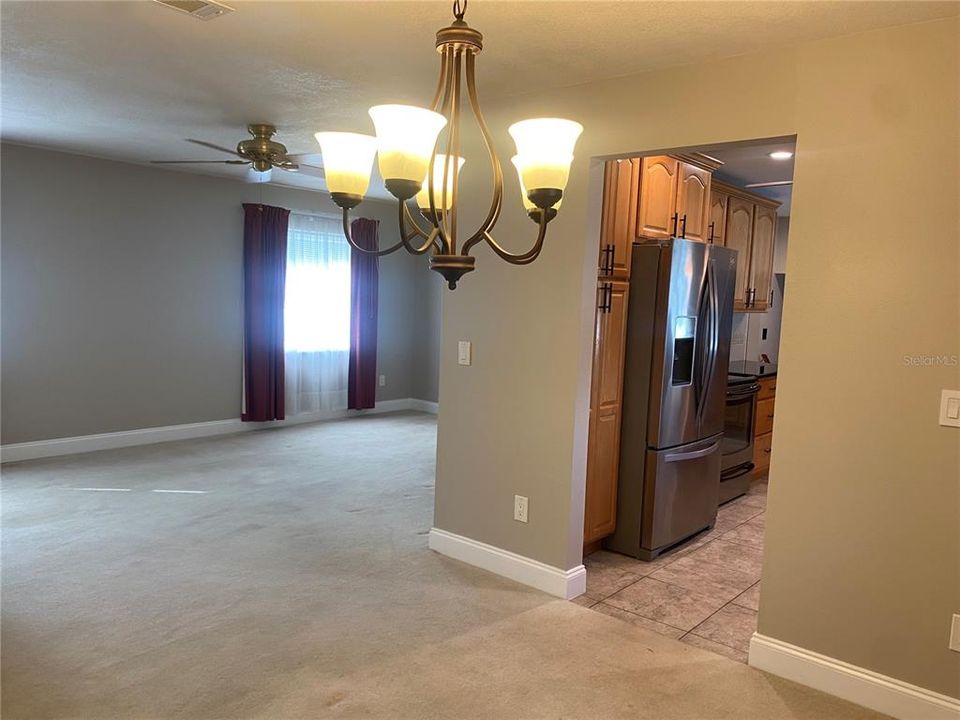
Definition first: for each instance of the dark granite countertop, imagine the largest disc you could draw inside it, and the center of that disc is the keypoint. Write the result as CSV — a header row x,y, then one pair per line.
x,y
748,367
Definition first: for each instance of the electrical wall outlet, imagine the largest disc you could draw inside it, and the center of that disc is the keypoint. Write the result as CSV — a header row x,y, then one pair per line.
x,y
521,505
383,381
464,352
955,633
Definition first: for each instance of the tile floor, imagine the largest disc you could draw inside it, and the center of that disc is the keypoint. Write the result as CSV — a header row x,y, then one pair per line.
x,y
704,593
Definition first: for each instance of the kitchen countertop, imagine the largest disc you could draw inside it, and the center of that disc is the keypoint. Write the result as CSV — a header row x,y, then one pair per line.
x,y
748,367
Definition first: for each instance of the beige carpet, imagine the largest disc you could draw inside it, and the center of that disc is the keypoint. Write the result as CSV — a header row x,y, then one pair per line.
x,y
298,584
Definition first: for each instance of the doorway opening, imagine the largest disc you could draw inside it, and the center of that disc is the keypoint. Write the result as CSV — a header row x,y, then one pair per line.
x,y
691,277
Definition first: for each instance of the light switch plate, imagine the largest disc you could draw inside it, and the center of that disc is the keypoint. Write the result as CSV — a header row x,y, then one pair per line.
x,y
955,633
950,408
464,352
383,381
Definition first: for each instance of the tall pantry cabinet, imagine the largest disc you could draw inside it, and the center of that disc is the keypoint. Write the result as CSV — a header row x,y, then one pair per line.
x,y
617,232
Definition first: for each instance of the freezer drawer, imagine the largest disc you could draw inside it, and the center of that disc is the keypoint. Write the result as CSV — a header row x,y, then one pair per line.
x,y
680,494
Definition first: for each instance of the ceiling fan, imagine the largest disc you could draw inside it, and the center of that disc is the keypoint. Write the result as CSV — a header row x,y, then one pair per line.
x,y
261,153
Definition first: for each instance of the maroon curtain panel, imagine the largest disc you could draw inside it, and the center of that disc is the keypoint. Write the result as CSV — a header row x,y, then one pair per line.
x,y
364,276
264,279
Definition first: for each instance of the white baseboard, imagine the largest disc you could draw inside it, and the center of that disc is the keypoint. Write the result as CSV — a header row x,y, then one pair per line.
x,y
566,584
424,406
16,452
858,685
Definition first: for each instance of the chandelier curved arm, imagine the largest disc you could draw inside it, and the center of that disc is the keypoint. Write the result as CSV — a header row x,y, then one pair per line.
x,y
496,204
521,258
349,236
431,241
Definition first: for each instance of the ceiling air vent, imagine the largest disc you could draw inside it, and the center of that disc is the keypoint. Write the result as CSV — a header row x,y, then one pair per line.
x,y
200,9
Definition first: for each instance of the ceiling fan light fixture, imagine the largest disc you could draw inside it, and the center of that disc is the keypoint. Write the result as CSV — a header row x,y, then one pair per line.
x,y
347,162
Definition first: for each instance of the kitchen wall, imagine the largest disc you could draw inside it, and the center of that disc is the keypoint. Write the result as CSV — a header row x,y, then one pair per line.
x,y
862,557
747,341
121,296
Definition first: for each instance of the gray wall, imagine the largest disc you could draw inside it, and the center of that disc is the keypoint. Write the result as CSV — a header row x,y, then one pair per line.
x,y
121,296
426,351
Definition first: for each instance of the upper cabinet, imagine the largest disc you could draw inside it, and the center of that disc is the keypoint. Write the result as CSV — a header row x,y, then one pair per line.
x,y
618,224
657,214
693,202
761,257
739,230
675,197
749,227
718,217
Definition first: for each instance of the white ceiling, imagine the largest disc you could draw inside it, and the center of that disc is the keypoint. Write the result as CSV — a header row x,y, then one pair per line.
x,y
130,80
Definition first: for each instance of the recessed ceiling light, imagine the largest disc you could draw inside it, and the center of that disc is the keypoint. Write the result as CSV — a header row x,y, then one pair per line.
x,y
781,155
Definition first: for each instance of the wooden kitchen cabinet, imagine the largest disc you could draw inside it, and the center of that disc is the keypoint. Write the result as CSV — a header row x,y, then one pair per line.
x,y
618,222
739,230
693,202
603,456
658,197
750,228
718,217
763,434
674,198
764,418
761,257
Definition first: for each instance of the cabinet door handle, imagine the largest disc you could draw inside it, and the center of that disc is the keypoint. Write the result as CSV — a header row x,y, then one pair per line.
x,y
710,238
605,260
610,252
676,217
606,297
683,226
771,297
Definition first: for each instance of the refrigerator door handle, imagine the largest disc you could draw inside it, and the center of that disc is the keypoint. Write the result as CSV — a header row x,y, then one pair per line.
x,y
700,348
692,455
709,364
715,328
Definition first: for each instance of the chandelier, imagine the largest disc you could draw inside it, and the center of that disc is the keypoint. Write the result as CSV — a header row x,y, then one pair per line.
x,y
406,144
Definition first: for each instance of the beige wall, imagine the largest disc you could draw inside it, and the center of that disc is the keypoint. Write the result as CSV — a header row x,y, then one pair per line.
x,y
121,295
862,558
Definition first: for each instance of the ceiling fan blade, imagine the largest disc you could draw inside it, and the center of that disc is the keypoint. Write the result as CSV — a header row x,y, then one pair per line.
x,y
288,166
314,159
200,162
204,143
312,171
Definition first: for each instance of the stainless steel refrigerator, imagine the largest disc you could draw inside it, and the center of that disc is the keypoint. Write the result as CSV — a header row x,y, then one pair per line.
x,y
674,388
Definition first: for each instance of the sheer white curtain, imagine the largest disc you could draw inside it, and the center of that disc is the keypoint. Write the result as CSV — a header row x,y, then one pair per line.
x,y
316,314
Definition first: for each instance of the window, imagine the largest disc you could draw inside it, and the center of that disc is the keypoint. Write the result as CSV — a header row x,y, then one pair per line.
x,y
316,315
316,311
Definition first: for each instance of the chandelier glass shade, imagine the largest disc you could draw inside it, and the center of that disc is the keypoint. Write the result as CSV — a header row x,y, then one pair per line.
x,y
406,145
